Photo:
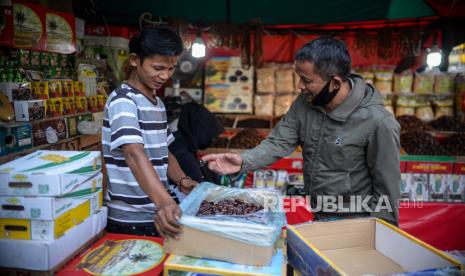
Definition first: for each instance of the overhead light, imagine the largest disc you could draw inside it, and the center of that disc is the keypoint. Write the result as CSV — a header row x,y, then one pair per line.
x,y
198,48
434,56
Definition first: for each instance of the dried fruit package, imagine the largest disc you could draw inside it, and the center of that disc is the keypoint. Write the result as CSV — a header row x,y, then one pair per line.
x,y
263,104
284,80
260,228
265,80
403,82
423,83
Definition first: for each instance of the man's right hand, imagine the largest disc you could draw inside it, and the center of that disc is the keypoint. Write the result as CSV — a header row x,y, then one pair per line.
x,y
224,163
166,219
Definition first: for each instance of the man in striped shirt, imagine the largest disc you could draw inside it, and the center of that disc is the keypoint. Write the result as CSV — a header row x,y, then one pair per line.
x,y
135,139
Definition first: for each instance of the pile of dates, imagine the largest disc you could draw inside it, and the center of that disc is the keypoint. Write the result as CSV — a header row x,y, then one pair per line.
x,y
219,143
411,123
254,123
421,143
227,207
455,144
246,139
447,123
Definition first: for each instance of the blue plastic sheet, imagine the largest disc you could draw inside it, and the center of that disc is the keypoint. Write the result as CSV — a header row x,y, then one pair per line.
x,y
262,228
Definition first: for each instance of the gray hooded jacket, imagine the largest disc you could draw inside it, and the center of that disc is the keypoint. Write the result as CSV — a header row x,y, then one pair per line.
x,y
351,151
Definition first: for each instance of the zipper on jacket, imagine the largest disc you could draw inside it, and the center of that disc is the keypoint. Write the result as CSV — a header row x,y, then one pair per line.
x,y
317,150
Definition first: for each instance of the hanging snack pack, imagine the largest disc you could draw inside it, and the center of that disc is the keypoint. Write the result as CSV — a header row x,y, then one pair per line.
x,y
443,83
423,83
405,106
383,80
403,82
444,107
40,90
263,104
55,89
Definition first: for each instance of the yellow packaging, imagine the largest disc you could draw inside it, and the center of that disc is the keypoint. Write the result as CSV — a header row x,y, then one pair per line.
x,y
55,89
40,89
79,89
81,104
54,107
68,89
92,104
27,229
101,101
69,106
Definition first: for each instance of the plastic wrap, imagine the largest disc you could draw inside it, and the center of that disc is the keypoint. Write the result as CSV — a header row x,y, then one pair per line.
x,y
264,104
282,103
262,228
444,107
265,80
383,81
443,83
285,80
423,83
403,82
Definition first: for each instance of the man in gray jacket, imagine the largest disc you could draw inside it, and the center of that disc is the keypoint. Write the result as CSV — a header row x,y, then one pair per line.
x,y
350,142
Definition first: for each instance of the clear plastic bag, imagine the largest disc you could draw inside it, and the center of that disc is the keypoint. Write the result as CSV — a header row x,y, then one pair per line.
x,y
261,228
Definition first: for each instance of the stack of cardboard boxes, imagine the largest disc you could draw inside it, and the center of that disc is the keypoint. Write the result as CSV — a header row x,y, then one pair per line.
x,y
49,200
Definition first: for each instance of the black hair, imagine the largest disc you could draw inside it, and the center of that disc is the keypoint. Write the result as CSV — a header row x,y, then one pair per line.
x,y
160,40
330,57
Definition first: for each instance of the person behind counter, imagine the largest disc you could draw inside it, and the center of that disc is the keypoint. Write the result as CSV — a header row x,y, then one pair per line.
x,y
196,129
350,142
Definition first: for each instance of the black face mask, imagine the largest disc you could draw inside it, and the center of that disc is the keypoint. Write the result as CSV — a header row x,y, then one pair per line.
x,y
325,97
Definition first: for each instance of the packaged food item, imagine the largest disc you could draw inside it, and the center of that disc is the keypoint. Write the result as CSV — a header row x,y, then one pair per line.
x,y
383,80
423,110
443,83
444,107
101,101
79,89
54,107
40,90
55,89
68,89
405,106
54,62
68,105
296,82
367,74
35,58
81,104
265,80
29,110
92,104
263,104
45,59
25,57
423,83
284,80
403,82
282,103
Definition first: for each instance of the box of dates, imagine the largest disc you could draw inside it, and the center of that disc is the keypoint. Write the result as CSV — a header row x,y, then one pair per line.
x,y
243,224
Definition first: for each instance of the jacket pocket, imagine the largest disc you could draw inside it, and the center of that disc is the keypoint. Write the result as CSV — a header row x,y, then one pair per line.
x,y
333,184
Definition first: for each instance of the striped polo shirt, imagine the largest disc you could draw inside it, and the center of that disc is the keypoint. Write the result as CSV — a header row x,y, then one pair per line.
x,y
131,118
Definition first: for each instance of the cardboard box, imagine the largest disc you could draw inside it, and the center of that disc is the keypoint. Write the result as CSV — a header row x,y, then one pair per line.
x,y
42,255
196,239
48,173
361,247
438,186
176,265
45,230
29,110
73,121
54,126
48,208
456,185
117,254
15,138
